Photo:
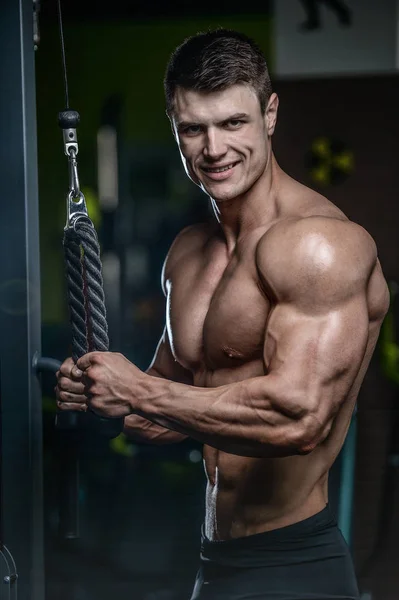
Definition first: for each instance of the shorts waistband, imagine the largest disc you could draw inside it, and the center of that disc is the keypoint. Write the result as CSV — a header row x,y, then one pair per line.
x,y
315,532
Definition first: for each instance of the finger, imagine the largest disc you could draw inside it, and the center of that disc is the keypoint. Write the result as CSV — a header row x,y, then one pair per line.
x,y
66,366
87,360
76,373
69,398
67,369
64,406
69,385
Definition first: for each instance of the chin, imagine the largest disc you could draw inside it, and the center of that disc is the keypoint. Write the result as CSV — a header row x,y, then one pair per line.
x,y
223,195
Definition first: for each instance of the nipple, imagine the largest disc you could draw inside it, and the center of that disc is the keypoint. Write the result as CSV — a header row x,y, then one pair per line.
x,y
231,353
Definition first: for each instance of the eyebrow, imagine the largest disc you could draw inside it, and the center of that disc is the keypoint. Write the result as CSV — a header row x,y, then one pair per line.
x,y
234,117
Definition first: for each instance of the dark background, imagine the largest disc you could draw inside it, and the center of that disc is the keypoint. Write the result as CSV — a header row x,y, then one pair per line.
x,y
141,506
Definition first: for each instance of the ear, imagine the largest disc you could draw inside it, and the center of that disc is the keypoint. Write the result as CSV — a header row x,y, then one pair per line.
x,y
271,114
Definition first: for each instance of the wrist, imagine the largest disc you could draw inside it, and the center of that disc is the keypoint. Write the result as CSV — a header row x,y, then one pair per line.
x,y
144,394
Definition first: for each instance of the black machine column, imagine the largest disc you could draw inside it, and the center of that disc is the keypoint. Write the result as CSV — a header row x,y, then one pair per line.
x,y
21,530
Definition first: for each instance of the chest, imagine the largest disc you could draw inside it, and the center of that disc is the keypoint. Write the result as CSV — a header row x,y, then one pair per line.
x,y
217,315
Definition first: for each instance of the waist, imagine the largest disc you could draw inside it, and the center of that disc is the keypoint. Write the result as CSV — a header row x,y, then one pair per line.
x,y
318,534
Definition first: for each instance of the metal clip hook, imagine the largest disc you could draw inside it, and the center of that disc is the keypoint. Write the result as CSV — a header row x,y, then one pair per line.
x,y
76,209
76,202
73,172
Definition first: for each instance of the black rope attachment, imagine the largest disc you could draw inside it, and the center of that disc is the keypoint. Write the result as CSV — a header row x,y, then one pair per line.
x,y
87,305
84,278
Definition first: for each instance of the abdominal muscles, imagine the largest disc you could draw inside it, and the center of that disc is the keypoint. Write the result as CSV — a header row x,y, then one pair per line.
x,y
250,495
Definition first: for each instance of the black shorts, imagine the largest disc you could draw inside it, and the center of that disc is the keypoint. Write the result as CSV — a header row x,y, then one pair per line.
x,y
309,560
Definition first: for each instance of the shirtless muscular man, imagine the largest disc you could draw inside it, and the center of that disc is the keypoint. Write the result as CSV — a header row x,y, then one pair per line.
x,y
272,314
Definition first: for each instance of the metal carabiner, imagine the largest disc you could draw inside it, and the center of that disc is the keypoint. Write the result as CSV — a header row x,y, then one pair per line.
x,y
76,209
76,202
73,172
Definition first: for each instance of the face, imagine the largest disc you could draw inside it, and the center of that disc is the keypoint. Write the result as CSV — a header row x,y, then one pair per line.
x,y
224,139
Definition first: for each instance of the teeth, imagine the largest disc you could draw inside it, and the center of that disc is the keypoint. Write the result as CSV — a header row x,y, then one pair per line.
x,y
220,169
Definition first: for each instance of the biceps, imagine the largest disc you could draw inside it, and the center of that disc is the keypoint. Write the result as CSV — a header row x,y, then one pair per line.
x,y
166,366
316,358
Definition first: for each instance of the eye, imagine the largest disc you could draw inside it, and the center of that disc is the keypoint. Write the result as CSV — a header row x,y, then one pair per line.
x,y
192,130
234,123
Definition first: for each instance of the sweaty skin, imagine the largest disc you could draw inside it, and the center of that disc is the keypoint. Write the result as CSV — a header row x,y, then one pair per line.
x,y
273,313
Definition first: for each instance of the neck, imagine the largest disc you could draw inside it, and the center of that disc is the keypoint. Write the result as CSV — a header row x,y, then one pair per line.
x,y
259,206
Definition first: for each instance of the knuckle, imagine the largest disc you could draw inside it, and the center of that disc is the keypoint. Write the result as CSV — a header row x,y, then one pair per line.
x,y
95,406
92,373
63,383
97,372
66,368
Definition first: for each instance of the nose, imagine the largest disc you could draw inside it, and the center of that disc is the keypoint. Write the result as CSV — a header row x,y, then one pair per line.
x,y
215,146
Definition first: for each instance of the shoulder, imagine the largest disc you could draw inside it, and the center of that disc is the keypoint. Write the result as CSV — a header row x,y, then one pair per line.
x,y
315,253
189,240
300,233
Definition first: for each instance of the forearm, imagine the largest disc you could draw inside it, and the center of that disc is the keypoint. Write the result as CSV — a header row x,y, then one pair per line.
x,y
144,431
238,418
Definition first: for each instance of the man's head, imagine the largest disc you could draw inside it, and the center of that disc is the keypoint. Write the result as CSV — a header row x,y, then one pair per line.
x,y
222,110
215,60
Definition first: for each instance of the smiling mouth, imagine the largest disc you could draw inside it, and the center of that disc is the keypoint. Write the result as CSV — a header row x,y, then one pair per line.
x,y
219,169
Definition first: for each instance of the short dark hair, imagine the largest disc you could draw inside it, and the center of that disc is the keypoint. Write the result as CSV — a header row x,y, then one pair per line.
x,y
215,60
